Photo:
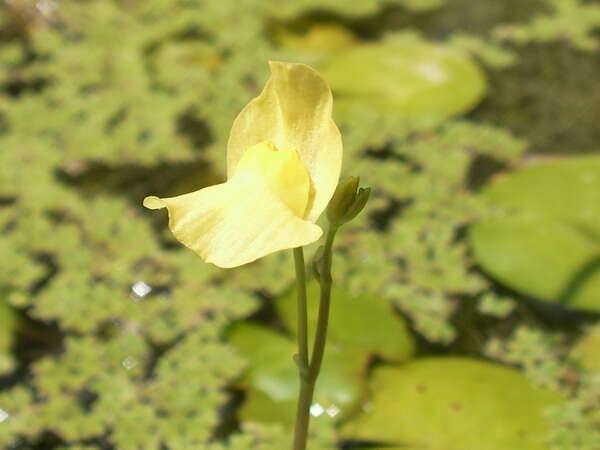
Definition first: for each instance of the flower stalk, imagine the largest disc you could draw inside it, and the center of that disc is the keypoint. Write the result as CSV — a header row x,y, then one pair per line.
x,y
302,355
347,202
284,157
310,372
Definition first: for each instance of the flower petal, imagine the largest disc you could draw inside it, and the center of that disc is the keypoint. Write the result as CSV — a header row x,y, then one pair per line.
x,y
281,170
293,111
255,213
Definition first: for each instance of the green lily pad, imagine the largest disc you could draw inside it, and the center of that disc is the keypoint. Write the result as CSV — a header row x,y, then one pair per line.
x,y
365,323
454,404
272,377
545,241
359,327
406,76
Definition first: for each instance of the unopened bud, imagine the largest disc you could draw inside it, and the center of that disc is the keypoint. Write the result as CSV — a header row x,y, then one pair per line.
x,y
347,201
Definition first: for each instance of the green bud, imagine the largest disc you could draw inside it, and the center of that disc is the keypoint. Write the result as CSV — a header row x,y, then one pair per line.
x,y
362,197
347,202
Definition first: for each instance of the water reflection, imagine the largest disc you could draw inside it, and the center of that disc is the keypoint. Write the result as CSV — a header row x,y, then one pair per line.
x,y
129,363
332,411
140,289
316,410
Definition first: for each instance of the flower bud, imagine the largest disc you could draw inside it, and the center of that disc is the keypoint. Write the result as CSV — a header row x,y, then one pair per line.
x,y
347,201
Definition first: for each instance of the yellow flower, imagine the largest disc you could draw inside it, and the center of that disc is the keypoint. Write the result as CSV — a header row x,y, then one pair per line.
x,y
283,163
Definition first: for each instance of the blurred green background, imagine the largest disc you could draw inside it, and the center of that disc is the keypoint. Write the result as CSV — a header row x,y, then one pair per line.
x,y
467,300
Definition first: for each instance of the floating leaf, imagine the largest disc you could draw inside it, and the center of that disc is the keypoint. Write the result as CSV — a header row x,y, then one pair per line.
x,y
273,377
359,327
406,76
365,323
453,403
545,241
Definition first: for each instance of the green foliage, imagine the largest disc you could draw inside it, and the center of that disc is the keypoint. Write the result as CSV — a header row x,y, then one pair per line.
x,y
103,102
8,326
582,414
537,352
96,386
572,20
273,437
493,305
574,424
585,352
272,378
422,198
490,53
387,337
470,404
405,76
544,241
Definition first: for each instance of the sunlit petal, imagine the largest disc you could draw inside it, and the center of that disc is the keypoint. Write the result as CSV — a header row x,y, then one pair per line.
x,y
293,112
281,170
257,212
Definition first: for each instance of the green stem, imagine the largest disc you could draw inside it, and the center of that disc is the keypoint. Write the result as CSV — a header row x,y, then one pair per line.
x,y
303,414
306,390
325,281
302,359
310,373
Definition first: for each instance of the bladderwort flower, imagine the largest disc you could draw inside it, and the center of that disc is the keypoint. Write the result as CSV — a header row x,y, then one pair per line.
x,y
284,158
